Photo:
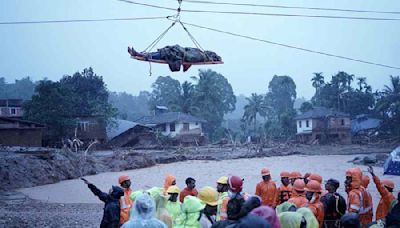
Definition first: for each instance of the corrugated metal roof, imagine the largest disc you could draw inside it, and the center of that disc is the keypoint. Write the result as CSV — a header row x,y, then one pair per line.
x,y
319,112
168,117
364,123
122,126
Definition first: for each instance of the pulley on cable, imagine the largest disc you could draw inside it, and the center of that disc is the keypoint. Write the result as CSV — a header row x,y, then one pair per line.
x,y
176,56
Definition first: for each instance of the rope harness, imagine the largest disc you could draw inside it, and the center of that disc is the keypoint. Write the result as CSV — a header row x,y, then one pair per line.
x,y
175,19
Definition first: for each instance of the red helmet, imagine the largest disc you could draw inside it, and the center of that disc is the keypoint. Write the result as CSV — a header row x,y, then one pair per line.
x,y
235,183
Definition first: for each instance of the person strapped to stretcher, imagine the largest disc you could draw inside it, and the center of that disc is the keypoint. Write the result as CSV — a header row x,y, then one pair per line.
x,y
176,56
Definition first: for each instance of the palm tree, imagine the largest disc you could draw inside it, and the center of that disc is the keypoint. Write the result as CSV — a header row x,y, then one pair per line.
x,y
255,106
317,82
388,103
361,82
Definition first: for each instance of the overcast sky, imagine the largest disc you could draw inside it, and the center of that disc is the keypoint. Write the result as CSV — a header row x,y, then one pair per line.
x,y
53,50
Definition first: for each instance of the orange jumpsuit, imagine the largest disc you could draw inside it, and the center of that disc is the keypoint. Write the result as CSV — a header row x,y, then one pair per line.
x,y
284,193
318,209
268,192
298,199
368,214
126,205
356,197
386,199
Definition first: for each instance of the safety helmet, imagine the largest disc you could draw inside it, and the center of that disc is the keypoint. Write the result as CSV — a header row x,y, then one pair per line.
x,y
123,178
388,183
295,174
173,189
299,185
285,174
235,183
313,186
209,196
265,172
316,177
356,177
365,181
222,180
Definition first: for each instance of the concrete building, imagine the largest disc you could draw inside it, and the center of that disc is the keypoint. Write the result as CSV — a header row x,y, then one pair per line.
x,y
323,125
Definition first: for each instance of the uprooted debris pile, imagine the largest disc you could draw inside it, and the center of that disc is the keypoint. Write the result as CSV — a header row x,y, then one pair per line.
x,y
372,159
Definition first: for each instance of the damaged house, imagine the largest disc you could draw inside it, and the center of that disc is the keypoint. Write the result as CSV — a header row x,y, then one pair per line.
x,y
11,108
179,127
323,125
16,132
130,134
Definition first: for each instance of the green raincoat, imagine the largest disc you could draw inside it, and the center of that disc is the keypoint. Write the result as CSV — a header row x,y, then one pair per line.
x,y
290,219
174,209
191,211
284,207
312,222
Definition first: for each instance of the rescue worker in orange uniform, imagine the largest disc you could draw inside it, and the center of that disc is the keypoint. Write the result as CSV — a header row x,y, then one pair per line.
x,y
285,190
125,201
294,176
385,189
298,194
317,177
356,195
313,194
267,190
366,218
169,181
223,198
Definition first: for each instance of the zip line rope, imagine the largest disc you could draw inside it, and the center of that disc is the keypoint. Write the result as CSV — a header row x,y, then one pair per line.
x,y
79,20
291,7
264,14
292,47
177,19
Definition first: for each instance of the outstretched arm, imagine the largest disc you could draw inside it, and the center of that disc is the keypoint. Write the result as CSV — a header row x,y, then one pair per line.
x,y
381,189
97,192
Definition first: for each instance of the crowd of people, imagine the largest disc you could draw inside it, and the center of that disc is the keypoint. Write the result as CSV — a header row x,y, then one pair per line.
x,y
299,202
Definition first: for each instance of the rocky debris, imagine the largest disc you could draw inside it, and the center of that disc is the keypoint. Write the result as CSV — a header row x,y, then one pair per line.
x,y
373,159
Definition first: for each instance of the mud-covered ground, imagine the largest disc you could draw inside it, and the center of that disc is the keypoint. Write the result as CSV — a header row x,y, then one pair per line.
x,y
32,213
23,167
69,203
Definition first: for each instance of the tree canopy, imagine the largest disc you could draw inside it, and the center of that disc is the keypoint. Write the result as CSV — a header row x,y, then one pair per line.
x,y
58,104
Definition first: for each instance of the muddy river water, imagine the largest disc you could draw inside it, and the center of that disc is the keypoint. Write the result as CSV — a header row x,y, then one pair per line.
x,y
206,173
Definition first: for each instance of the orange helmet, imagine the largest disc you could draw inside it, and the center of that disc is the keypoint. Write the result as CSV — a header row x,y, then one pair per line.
x,y
316,177
365,181
123,178
313,186
299,185
295,174
265,172
285,174
388,183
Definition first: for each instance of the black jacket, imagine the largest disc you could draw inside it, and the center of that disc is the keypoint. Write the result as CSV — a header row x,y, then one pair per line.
x,y
111,206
